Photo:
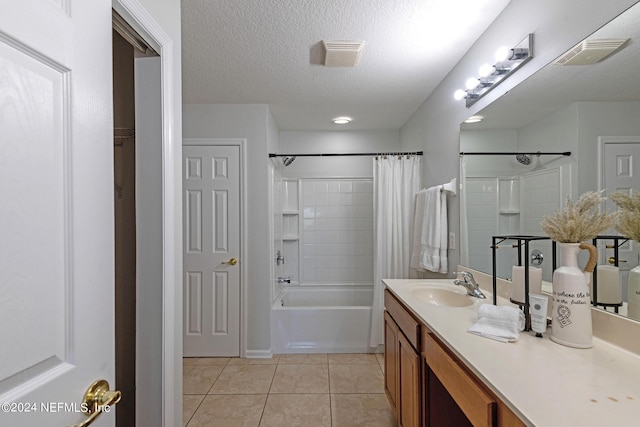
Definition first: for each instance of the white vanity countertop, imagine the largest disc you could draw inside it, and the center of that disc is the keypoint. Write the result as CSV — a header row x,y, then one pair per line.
x,y
544,383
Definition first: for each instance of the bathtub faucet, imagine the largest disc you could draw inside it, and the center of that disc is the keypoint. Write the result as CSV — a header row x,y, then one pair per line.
x,y
284,280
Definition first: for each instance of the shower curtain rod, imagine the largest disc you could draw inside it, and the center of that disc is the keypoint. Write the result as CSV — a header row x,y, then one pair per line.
x,y
514,153
394,153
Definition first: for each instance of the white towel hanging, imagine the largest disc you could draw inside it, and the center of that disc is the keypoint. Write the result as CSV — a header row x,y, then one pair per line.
x,y
429,249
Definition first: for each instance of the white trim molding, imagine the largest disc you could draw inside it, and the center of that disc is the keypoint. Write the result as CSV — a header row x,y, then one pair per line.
x,y
258,354
142,22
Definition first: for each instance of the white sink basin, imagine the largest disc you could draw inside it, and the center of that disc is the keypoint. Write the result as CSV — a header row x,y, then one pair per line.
x,y
441,296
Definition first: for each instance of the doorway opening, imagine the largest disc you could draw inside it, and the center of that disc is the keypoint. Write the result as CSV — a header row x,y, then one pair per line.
x,y
128,46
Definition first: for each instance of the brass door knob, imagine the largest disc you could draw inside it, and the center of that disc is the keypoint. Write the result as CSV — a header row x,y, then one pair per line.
x,y
98,399
232,261
612,260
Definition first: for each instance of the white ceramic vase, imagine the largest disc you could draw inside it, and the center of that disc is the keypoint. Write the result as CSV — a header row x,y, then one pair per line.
x,y
633,294
571,316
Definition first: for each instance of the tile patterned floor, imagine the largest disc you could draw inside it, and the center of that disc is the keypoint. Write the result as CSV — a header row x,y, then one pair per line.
x,y
333,390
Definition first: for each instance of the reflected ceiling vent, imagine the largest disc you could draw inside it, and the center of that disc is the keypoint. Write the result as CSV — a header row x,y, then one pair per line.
x,y
342,53
590,51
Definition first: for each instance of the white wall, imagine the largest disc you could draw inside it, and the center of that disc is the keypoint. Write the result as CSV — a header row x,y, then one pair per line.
x,y
489,140
255,124
556,25
149,249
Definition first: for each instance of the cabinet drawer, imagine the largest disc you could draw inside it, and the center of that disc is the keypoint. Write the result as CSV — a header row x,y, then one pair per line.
x,y
409,326
474,401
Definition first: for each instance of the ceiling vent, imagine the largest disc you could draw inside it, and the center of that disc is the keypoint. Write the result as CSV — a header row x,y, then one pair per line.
x,y
342,53
590,51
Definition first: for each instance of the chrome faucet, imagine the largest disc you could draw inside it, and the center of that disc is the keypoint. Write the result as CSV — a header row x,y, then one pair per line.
x,y
469,284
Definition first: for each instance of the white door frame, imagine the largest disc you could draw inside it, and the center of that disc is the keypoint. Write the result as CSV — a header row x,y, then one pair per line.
x,y
241,143
141,21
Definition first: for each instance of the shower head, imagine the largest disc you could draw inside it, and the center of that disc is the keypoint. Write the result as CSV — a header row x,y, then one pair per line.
x,y
523,159
287,160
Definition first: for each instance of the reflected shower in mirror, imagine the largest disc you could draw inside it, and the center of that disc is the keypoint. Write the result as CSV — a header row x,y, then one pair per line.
x,y
507,194
590,110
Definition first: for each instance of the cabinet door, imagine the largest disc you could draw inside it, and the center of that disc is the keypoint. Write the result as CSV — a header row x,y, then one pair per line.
x,y
391,333
409,376
442,409
478,406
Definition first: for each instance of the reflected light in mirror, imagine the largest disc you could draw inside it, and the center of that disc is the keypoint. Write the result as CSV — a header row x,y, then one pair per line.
x,y
474,119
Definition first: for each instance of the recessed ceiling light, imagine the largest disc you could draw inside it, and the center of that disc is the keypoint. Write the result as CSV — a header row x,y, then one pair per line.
x,y
474,119
341,120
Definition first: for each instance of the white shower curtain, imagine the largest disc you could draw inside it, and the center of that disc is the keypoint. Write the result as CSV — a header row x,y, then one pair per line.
x,y
396,181
464,225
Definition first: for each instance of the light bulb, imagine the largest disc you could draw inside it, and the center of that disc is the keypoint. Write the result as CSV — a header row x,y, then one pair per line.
x,y
502,54
486,70
459,94
472,83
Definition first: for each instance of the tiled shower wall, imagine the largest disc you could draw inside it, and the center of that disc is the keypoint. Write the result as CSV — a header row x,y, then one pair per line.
x,y
542,195
337,230
277,201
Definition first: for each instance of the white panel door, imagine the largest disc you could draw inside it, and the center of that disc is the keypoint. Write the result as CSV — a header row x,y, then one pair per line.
x,y
621,172
211,204
56,214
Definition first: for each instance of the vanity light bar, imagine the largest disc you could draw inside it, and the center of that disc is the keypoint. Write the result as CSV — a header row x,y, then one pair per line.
x,y
508,61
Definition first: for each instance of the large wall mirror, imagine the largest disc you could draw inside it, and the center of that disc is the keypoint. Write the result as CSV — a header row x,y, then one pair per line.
x,y
592,111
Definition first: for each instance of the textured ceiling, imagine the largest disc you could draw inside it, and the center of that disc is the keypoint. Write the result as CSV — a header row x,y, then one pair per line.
x,y
266,52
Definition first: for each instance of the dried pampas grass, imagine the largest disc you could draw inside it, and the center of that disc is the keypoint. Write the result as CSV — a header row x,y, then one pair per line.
x,y
628,223
578,222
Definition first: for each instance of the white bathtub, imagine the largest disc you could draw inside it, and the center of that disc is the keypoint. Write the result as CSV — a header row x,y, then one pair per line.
x,y
322,319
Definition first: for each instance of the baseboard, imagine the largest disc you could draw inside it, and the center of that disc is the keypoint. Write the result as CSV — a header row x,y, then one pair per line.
x,y
258,354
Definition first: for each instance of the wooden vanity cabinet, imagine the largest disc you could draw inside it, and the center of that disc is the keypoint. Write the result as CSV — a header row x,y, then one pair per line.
x,y
427,385
453,395
402,363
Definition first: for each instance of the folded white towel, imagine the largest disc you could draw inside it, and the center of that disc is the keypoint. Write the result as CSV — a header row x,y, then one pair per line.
x,y
502,313
501,323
